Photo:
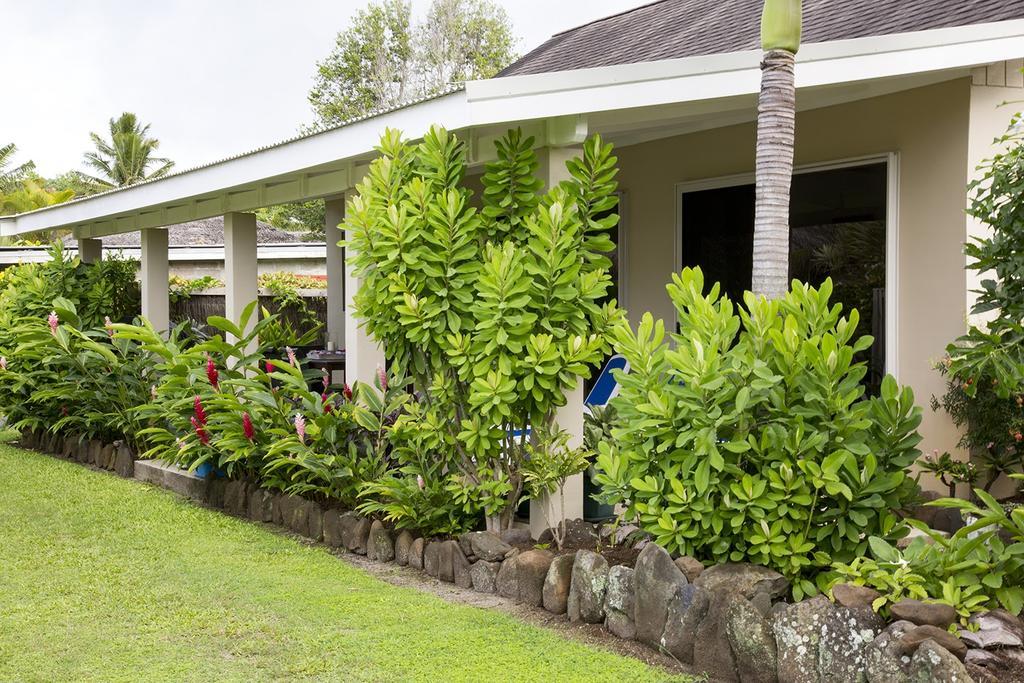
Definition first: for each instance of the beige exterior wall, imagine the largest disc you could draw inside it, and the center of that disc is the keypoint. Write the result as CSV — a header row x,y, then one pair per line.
x,y
926,127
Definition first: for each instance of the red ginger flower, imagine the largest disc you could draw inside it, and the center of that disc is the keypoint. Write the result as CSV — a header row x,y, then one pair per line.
x,y
247,428
211,372
197,408
347,392
201,434
327,404
269,367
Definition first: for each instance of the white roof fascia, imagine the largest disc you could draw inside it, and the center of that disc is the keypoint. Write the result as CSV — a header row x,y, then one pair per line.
x,y
246,171
733,74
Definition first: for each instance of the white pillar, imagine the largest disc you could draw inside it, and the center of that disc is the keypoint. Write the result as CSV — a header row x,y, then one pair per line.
x,y
90,250
240,276
156,303
334,214
363,355
569,417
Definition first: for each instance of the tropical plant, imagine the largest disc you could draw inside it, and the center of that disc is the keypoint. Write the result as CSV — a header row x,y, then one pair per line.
x,y
550,462
11,177
492,314
31,195
127,157
776,125
951,473
749,437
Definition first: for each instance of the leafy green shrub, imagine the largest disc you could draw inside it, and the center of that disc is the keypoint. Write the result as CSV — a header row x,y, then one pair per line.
x,y
979,567
750,438
181,288
492,313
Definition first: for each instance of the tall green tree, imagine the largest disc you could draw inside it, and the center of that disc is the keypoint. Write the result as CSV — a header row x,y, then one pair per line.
x,y
776,129
11,176
128,157
385,58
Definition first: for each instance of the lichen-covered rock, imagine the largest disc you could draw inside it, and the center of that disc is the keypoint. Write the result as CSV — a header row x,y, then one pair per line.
x,y
380,541
588,587
914,637
235,501
743,579
297,515
416,549
359,535
106,457
883,662
854,596
619,602
517,536
432,559
924,613
752,642
485,545
124,462
798,631
932,663
484,576
508,578
531,570
845,636
261,504
332,529
712,652
686,610
557,583
996,629
314,521
402,545
461,569
448,555
991,666
347,522
656,579
690,567
215,489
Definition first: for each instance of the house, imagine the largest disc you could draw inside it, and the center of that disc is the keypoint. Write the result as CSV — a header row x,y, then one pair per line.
x,y
899,100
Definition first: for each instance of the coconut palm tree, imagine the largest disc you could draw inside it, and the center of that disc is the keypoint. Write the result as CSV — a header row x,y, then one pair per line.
x,y
776,126
126,158
9,179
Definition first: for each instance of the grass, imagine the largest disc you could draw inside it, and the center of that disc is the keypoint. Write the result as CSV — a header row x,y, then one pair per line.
x,y
106,579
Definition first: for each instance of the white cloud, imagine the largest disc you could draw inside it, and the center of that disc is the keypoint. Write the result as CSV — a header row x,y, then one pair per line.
x,y
212,78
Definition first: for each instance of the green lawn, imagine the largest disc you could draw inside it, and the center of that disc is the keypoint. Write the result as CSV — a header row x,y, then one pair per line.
x,y
106,579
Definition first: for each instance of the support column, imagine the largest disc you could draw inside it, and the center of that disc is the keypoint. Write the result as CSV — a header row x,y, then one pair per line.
x,y
570,416
155,273
240,275
363,355
90,250
334,214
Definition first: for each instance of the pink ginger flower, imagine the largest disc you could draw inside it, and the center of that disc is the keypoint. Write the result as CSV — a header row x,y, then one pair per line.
x,y
382,379
291,356
300,427
420,482
52,320
347,392
247,428
269,366
197,408
152,391
3,362
109,325
326,378
211,372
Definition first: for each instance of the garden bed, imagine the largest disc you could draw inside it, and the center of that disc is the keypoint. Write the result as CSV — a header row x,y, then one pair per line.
x,y
732,621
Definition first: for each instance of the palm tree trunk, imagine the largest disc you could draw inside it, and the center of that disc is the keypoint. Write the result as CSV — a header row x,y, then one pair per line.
x,y
776,127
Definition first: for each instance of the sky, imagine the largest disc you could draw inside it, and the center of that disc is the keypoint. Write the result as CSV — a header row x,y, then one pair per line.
x,y
213,78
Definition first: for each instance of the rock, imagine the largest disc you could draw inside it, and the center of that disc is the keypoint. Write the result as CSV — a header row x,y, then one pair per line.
x,y
752,641
446,560
690,567
359,535
931,663
999,626
380,540
578,534
520,536
989,640
686,610
851,595
557,583
922,613
948,520
95,447
296,515
883,662
588,587
235,502
846,633
107,457
461,568
314,521
743,579
484,576
332,529
416,553
797,637
215,489
347,522
261,504
402,545
508,578
68,447
485,545
619,602
1006,664
124,462
531,570
656,579
913,638
618,534
712,652
432,558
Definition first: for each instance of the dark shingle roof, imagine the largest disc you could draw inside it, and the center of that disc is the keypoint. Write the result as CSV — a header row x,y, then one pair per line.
x,y
670,29
201,233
